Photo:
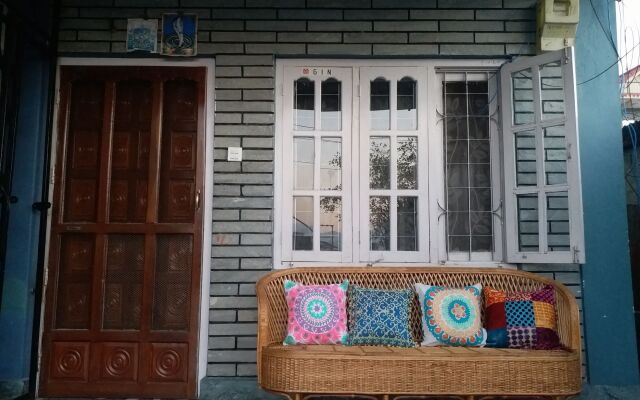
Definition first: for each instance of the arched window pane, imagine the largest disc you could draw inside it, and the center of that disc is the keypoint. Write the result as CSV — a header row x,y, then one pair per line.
x,y
303,103
406,104
379,117
331,105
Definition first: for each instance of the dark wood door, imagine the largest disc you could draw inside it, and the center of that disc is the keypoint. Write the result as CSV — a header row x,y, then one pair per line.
x,y
123,285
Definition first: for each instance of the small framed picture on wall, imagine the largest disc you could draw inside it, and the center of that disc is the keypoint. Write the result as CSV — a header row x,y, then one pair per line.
x,y
179,34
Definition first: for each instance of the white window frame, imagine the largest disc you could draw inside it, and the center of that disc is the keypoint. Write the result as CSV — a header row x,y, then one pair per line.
x,y
437,253
344,75
393,75
462,74
573,185
504,227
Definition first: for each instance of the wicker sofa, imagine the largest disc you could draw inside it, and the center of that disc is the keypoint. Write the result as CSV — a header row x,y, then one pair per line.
x,y
298,372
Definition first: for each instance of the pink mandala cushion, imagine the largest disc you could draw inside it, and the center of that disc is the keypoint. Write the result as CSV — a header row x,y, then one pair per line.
x,y
317,313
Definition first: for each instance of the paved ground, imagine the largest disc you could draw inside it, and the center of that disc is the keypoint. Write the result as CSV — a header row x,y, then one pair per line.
x,y
246,389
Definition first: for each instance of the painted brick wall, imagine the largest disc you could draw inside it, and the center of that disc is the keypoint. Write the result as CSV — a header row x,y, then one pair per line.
x,y
245,36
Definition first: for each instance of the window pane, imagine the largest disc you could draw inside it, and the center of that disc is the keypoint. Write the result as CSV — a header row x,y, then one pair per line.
x,y
331,164
456,128
303,162
303,95
480,175
379,163
407,162
379,223
552,90
468,173
481,231
330,223
558,221
479,127
528,222
555,155
406,104
303,223
407,224
522,82
459,244
330,111
526,159
380,105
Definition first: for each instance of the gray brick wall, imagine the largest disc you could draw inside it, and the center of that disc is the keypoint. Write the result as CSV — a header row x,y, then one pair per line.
x,y
245,36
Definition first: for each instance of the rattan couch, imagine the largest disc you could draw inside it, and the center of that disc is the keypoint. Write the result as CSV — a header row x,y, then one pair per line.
x,y
387,372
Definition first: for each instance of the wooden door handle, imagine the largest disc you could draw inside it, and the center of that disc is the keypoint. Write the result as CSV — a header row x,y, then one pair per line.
x,y
197,200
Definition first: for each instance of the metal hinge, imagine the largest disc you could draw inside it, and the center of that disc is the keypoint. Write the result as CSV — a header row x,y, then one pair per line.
x,y
576,252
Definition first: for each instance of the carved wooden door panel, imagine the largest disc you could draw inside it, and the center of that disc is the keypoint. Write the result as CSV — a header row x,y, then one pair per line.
x,y
121,314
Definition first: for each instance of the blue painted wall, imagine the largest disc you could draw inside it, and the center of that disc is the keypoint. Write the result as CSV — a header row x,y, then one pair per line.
x,y
17,312
607,292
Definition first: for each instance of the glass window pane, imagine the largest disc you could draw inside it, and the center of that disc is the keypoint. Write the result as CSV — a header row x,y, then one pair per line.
x,y
528,222
558,221
479,151
458,176
303,103
478,104
379,223
480,175
455,104
379,163
480,199
555,155
526,174
331,105
304,155
457,199
406,104
479,127
303,223
331,164
408,162
522,82
379,107
459,243
552,90
456,128
407,224
478,87
331,223
458,223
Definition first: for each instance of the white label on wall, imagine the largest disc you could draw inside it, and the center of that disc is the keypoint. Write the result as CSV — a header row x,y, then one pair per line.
x,y
234,154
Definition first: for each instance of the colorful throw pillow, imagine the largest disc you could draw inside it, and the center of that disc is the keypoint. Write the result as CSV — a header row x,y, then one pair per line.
x,y
451,316
380,317
317,314
521,320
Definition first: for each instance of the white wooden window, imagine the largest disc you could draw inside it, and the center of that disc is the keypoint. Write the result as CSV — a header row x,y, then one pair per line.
x,y
317,165
393,165
469,214
543,202
414,162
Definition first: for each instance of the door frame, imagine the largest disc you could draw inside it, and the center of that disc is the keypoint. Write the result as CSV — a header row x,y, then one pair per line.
x,y
207,225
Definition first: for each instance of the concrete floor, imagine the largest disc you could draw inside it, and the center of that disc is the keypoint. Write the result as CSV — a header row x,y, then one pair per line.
x,y
246,389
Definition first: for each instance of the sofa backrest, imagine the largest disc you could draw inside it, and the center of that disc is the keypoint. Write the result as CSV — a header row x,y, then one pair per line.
x,y
272,306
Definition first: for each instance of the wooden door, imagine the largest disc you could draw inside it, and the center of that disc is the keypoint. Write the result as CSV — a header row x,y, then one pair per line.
x,y
123,285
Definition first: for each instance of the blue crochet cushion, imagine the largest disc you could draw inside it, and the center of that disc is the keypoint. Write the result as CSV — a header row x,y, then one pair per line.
x,y
380,317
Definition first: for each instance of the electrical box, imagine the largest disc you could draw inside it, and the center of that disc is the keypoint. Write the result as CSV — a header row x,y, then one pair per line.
x,y
557,24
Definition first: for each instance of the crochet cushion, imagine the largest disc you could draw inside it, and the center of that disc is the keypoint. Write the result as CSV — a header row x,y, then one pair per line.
x,y
380,317
451,316
523,320
317,313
